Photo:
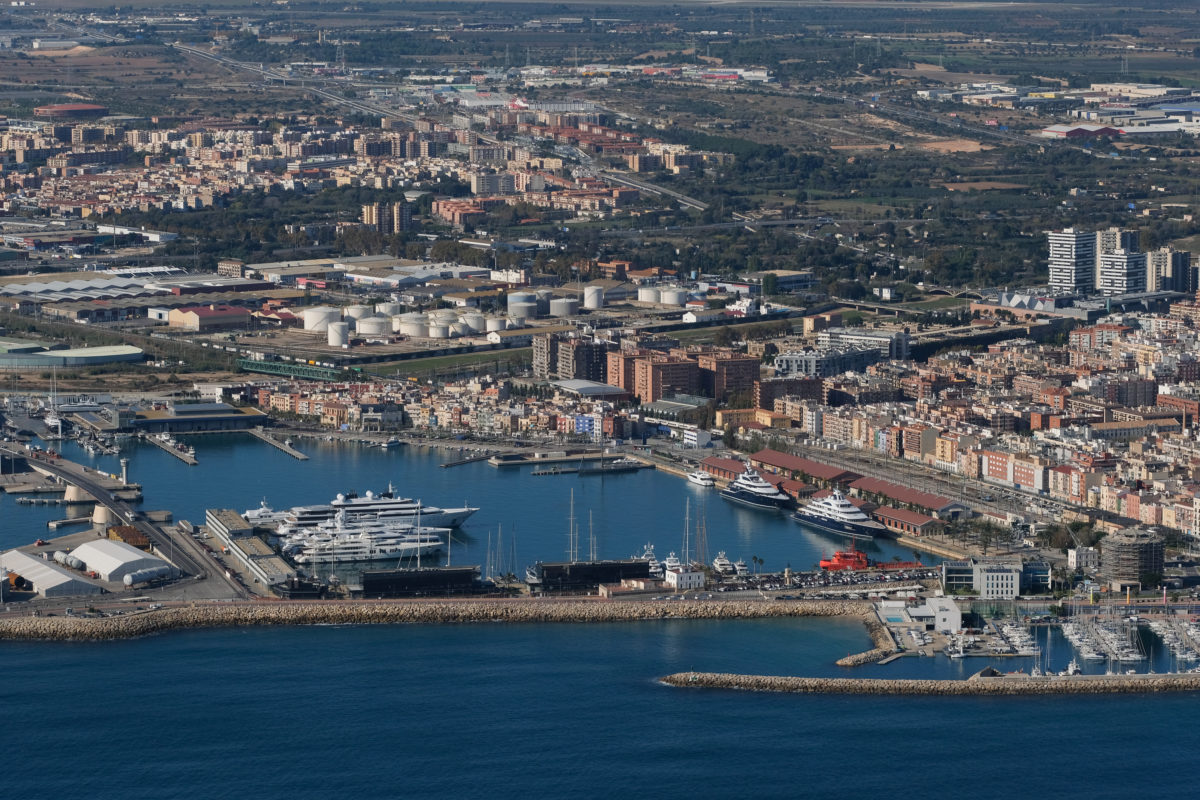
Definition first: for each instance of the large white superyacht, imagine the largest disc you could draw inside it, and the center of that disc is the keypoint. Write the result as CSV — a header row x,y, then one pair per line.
x,y
382,506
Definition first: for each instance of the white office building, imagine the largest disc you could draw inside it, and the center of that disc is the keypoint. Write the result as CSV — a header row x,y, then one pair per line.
x,y
682,579
1121,272
1072,260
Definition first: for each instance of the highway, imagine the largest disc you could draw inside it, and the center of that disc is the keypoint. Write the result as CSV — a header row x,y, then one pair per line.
x,y
183,551
625,180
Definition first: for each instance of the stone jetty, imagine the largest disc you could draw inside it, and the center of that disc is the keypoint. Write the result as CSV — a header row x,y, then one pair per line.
x,y
224,614
975,685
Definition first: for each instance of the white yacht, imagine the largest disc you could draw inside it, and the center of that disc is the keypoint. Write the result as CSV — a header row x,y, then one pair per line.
x,y
835,514
264,515
361,540
369,546
750,489
656,568
701,478
382,506
672,561
740,568
722,564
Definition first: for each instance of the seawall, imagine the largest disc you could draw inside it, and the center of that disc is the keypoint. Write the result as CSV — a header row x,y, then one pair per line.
x,y
977,685
217,615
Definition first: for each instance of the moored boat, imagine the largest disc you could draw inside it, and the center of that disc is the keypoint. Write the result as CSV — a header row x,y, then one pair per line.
x,y
749,489
836,514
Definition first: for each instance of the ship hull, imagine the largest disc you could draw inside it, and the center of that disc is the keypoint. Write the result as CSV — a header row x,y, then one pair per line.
x,y
348,558
855,530
754,501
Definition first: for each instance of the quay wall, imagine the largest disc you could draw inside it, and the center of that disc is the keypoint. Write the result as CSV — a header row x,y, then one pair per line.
x,y
223,614
977,685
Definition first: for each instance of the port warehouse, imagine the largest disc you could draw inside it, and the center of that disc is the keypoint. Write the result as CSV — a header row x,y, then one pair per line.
x,y
178,418
44,577
584,576
237,538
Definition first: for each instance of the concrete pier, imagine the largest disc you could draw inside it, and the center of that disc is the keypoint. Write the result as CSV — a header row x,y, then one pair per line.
x,y
258,433
182,455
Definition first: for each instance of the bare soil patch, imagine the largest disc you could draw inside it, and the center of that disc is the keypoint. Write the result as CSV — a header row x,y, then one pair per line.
x,y
955,146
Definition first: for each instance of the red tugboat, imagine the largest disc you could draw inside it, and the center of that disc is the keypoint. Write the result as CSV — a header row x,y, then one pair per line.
x,y
846,560
855,559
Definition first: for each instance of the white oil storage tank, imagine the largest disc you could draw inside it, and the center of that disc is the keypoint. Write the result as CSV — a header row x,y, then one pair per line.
x,y
522,310
475,321
564,307
648,294
339,334
496,324
414,328
593,297
460,329
318,318
439,331
516,298
388,309
673,296
357,312
373,326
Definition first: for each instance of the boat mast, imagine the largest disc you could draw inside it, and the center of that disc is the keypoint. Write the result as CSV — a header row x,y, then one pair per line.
x,y
572,546
591,538
487,561
687,511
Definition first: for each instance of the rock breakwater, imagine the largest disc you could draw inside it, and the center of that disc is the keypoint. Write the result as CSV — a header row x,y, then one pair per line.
x,y
217,615
1003,685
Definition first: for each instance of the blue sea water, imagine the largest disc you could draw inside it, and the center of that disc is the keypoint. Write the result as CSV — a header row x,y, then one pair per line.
x,y
514,710
551,710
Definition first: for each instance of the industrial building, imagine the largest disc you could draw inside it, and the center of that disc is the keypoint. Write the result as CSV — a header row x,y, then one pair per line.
x,y
201,319
46,578
78,357
185,417
113,560
421,582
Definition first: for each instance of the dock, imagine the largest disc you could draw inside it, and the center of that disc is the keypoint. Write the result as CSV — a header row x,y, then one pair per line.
x,y
258,433
461,461
182,455
55,524
538,459
555,470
